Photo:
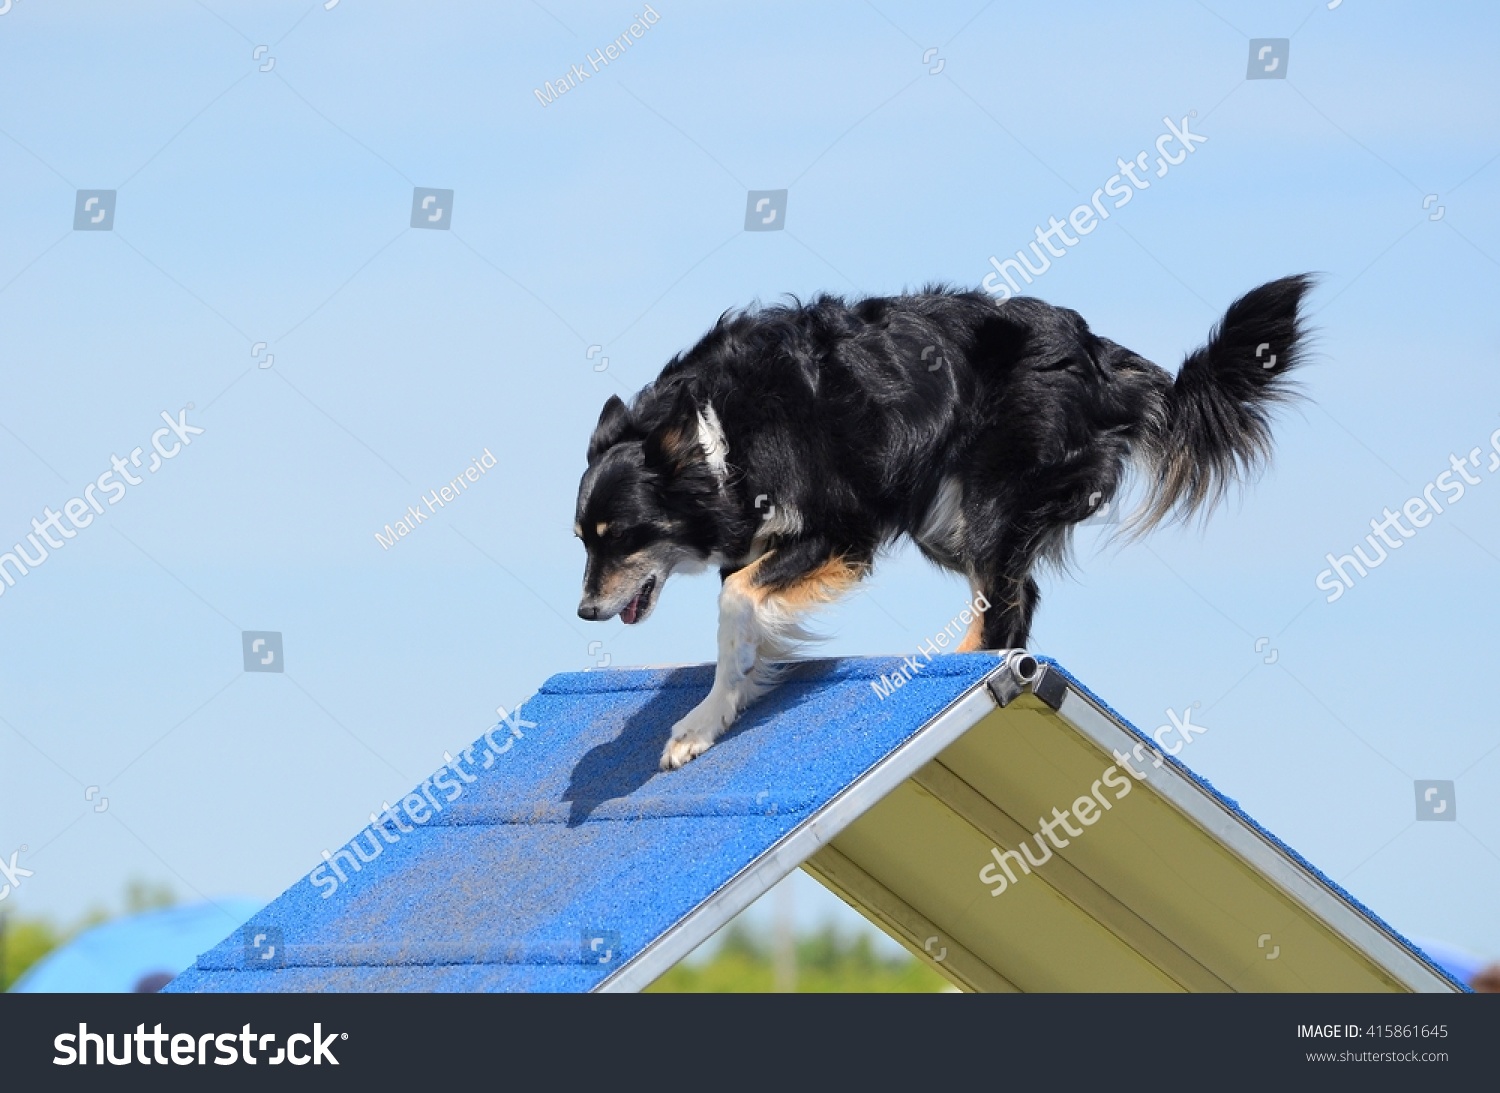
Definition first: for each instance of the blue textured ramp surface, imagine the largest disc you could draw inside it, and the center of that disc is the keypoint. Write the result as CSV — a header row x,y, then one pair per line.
x,y
571,853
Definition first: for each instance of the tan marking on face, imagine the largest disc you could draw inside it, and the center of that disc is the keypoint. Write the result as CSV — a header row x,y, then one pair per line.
x,y
600,529
578,530
628,576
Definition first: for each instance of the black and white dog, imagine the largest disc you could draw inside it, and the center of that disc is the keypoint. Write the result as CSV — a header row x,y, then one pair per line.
x,y
792,443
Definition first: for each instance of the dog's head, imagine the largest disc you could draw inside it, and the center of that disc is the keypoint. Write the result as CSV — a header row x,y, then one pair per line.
x,y
646,506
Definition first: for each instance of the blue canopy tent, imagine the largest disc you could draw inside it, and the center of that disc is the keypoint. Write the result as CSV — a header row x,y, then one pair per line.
x,y
141,951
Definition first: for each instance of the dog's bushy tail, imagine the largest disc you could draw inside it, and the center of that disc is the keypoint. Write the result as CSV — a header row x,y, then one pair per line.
x,y
1212,426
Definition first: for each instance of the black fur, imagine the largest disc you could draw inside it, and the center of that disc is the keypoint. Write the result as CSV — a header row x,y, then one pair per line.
x,y
852,415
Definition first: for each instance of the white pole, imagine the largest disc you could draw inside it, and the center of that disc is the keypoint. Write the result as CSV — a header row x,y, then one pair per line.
x,y
784,955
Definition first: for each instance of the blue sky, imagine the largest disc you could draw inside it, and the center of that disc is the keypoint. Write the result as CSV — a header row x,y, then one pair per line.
x,y
265,196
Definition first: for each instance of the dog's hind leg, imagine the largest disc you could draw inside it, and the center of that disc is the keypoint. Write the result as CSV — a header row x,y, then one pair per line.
x,y
1006,623
974,637
1003,575
760,611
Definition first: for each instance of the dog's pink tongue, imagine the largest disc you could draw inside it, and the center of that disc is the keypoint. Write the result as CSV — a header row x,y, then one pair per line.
x,y
632,609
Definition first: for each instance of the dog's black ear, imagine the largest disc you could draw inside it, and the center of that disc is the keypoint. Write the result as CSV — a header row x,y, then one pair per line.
x,y
614,426
672,447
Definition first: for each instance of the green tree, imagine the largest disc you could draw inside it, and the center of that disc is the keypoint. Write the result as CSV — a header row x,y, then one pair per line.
x,y
22,943
143,895
828,961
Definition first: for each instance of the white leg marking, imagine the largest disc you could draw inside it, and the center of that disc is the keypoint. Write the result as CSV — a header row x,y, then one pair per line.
x,y
736,681
756,629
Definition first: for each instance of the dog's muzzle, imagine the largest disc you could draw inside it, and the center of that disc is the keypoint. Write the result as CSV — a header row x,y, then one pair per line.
x,y
631,612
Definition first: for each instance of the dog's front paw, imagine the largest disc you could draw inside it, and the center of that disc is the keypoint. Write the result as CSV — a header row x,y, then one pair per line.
x,y
681,750
696,733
